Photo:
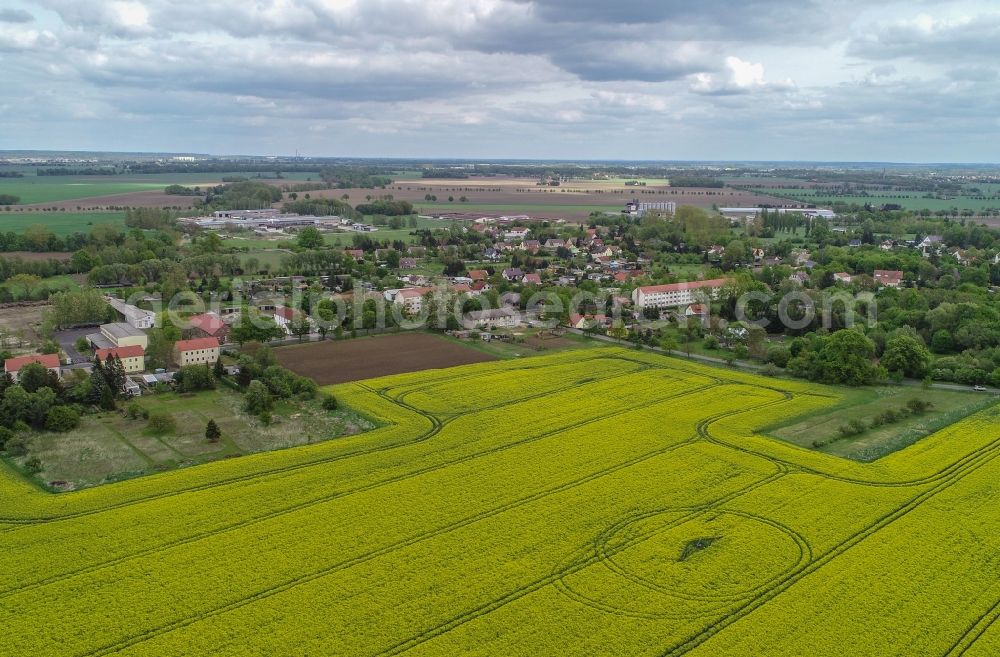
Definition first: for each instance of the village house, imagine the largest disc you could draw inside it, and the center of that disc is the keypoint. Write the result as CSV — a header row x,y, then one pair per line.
x,y
200,351
208,325
284,316
133,358
492,319
13,366
888,278
842,277
531,279
513,274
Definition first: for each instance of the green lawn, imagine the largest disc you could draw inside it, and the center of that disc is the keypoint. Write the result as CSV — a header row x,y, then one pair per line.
x,y
108,447
52,284
908,200
820,431
60,223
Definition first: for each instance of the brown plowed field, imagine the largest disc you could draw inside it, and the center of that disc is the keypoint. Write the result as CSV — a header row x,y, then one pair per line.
x,y
341,361
515,192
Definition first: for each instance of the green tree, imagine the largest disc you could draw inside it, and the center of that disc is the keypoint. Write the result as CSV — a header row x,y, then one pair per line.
x,y
941,342
257,399
310,238
192,378
906,354
62,419
162,423
255,329
212,432
846,357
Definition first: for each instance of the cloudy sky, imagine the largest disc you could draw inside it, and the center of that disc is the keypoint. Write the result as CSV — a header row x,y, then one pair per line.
x,y
912,81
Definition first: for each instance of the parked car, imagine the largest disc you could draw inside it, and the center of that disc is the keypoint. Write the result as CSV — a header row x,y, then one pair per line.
x,y
979,388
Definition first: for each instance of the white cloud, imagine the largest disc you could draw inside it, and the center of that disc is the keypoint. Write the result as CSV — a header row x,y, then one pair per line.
x,y
741,77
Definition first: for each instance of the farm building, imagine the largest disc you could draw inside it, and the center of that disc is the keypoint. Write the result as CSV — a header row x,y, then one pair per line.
x,y
12,366
132,357
209,325
200,351
118,334
133,315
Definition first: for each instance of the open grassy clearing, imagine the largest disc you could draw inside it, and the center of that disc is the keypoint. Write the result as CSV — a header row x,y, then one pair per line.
x,y
60,223
593,502
110,447
821,430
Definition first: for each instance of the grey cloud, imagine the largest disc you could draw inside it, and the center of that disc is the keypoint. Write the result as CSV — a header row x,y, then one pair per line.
x,y
15,16
931,40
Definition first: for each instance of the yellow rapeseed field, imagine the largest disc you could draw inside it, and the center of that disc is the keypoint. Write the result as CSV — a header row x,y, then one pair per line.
x,y
599,502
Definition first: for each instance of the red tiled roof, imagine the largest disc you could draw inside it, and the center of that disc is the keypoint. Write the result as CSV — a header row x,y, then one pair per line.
x,y
49,361
285,312
197,343
677,287
209,323
883,275
130,351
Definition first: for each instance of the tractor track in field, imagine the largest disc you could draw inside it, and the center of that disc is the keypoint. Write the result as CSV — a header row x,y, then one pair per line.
x,y
437,426
938,484
975,632
350,563
262,474
560,573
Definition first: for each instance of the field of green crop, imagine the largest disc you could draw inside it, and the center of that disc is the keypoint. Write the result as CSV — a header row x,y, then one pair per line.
x,y
594,502
60,223
44,189
908,200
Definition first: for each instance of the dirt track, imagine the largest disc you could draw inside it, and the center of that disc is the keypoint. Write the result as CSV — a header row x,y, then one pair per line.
x,y
341,361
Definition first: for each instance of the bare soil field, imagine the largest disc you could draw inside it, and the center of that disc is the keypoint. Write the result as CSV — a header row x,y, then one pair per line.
x,y
341,361
573,200
19,323
146,199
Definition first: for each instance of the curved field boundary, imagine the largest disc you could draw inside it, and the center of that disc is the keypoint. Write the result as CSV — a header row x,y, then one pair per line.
x,y
438,426
940,484
267,472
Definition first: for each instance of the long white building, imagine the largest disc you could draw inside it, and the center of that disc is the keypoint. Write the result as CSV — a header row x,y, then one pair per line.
x,y
639,208
675,294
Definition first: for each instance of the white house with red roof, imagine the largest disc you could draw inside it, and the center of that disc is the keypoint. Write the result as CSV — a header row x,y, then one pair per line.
x,y
13,366
284,316
199,351
675,294
888,278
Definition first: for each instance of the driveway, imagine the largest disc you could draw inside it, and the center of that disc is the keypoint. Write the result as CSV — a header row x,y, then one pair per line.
x,y
66,339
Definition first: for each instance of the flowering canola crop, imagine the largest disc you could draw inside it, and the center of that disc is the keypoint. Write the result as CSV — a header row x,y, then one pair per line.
x,y
606,502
